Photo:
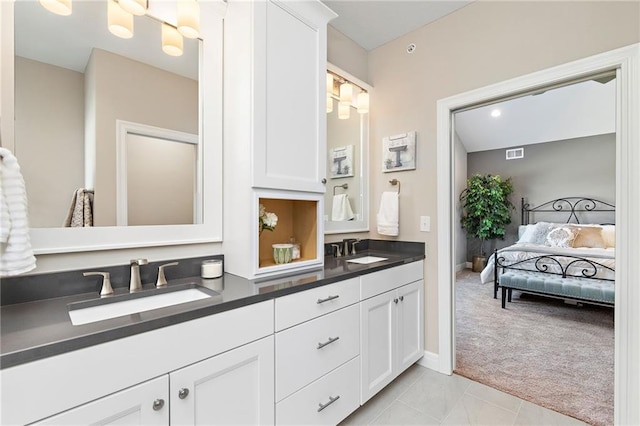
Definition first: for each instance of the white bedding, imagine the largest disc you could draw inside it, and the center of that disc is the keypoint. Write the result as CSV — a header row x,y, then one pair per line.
x,y
522,251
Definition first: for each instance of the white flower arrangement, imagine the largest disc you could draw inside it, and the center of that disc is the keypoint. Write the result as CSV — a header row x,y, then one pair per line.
x,y
266,220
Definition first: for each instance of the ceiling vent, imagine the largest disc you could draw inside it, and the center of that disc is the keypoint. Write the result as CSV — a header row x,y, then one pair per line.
x,y
515,153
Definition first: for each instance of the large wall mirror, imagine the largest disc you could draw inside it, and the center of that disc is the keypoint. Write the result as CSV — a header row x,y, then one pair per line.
x,y
347,196
116,121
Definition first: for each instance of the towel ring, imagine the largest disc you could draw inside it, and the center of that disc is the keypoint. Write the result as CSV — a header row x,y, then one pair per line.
x,y
343,186
395,182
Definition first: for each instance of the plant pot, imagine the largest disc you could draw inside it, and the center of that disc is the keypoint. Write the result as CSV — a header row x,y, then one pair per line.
x,y
478,263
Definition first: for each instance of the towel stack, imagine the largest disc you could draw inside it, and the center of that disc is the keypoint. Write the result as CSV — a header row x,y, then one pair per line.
x,y
16,255
388,214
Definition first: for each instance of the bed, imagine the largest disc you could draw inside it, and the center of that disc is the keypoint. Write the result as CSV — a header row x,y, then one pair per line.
x,y
570,256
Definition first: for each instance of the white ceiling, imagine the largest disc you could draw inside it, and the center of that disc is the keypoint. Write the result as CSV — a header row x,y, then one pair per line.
x,y
372,23
584,109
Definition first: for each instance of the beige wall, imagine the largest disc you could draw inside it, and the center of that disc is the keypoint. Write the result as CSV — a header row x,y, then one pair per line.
x,y
347,54
49,132
128,90
481,44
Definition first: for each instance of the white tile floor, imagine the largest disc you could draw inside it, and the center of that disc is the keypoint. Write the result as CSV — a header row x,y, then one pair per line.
x,y
424,397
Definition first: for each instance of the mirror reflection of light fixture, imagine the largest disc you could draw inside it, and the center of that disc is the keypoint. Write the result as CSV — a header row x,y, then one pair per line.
x,y
119,21
134,7
171,40
59,7
189,18
363,102
329,103
344,110
346,93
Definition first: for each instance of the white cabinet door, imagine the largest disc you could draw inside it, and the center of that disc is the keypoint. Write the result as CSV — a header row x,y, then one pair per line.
x,y
232,388
290,120
410,330
377,322
143,404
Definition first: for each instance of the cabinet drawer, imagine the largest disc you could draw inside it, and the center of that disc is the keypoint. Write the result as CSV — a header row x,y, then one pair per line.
x,y
310,350
388,279
309,304
338,389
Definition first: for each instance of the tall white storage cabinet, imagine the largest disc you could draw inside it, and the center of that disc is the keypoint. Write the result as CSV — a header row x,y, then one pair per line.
x,y
274,126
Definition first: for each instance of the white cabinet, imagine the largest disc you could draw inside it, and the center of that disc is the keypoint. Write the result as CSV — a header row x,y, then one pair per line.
x,y
274,129
392,329
144,404
232,388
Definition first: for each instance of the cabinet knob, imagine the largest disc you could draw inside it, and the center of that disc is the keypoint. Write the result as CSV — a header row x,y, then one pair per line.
x,y
401,298
324,180
395,300
183,393
158,404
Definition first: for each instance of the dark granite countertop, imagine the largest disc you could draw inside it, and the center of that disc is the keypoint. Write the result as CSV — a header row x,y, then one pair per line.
x,y
38,329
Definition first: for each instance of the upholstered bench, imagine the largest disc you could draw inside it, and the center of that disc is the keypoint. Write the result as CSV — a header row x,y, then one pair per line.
x,y
589,290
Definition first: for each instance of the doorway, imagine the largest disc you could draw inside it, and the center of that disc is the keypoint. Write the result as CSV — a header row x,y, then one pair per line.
x,y
627,320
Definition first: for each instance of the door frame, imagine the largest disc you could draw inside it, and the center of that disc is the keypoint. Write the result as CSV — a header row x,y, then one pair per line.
x,y
626,62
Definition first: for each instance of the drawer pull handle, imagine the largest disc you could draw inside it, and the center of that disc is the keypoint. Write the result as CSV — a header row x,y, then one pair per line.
x,y
402,298
331,401
327,299
158,404
328,342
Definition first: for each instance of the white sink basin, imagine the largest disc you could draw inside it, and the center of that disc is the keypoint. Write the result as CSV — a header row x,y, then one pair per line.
x,y
108,308
367,259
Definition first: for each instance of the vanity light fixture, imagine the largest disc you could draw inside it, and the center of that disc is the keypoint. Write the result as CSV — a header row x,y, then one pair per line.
x,y
119,21
346,93
134,7
329,103
344,110
59,7
363,102
171,40
189,18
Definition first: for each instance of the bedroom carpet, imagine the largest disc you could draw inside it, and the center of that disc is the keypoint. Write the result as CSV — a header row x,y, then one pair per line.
x,y
542,350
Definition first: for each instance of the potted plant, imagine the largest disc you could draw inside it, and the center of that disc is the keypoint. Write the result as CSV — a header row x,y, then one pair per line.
x,y
486,210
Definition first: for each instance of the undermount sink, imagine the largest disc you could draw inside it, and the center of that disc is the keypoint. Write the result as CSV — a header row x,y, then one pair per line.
x,y
367,260
126,304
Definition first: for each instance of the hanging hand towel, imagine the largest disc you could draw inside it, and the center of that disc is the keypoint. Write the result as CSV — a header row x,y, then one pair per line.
x,y
341,208
81,210
16,255
388,214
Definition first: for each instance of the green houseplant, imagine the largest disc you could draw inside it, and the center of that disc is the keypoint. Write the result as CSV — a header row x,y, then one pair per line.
x,y
486,210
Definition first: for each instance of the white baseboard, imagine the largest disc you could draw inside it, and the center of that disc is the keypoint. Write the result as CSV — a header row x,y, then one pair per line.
x,y
469,265
430,360
461,266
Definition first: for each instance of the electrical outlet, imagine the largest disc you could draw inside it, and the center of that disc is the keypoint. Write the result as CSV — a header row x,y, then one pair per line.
x,y
425,224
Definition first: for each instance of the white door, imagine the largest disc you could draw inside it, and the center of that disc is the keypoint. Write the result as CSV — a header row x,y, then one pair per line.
x,y
144,404
236,387
377,321
410,325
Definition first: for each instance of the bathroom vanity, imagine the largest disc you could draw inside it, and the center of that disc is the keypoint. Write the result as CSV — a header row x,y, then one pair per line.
x,y
309,348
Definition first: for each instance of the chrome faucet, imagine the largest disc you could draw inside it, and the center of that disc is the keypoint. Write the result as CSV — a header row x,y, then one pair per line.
x,y
134,283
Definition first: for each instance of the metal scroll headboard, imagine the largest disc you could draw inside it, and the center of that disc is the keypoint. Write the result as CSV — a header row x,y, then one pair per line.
x,y
568,205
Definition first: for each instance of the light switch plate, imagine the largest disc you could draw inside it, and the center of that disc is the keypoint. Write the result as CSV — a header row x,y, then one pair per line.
x,y
425,223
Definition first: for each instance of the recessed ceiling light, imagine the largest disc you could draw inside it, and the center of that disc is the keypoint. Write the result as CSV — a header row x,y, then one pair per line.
x,y
496,113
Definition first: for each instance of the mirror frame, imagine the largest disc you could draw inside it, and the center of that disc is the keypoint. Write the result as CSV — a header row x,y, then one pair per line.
x,y
66,240
362,225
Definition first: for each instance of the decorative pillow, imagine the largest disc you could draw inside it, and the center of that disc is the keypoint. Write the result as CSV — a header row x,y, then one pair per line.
x,y
609,235
536,234
588,236
561,237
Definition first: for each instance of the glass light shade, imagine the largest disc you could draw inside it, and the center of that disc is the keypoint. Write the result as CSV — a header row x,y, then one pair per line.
x,y
120,22
344,110
329,84
59,7
346,93
363,102
189,18
329,103
171,40
135,7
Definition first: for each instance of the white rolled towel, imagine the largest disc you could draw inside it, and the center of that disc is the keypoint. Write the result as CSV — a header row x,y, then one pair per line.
x,y
388,218
16,254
